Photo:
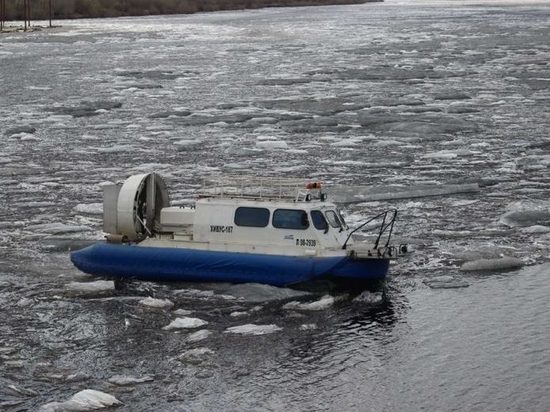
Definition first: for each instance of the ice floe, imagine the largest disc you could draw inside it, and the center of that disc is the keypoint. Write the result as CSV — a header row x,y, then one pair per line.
x,y
503,263
441,155
271,144
369,297
184,144
86,400
125,380
18,130
196,355
97,286
57,228
90,208
358,194
321,304
25,137
156,303
22,391
256,292
526,214
536,229
86,108
199,335
238,314
185,323
182,312
252,329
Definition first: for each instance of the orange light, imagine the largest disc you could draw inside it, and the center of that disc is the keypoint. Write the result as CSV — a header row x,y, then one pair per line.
x,y
313,185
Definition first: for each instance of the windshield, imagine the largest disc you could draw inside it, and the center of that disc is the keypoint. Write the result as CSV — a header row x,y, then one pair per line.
x,y
318,220
342,221
333,219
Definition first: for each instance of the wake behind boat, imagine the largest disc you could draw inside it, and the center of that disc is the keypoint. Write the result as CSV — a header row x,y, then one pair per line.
x,y
240,229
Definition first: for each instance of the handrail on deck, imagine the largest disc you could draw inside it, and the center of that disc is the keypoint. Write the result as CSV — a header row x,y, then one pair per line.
x,y
255,187
390,215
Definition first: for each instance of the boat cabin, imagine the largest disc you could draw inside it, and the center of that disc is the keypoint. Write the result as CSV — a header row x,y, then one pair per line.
x,y
238,214
279,213
306,224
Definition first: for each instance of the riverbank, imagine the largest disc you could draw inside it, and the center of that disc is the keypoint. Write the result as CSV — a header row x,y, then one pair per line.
x,y
71,9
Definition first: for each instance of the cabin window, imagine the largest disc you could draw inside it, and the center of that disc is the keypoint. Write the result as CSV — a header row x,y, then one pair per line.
x,y
290,219
319,220
342,221
332,218
252,216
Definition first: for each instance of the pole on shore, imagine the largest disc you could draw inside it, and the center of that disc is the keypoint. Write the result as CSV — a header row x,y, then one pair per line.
x,y
25,14
2,12
50,11
29,12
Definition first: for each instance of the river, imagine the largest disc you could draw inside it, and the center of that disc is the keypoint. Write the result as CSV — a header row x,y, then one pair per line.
x,y
423,98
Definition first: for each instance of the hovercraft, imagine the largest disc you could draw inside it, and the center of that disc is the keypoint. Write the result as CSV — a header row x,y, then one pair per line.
x,y
265,230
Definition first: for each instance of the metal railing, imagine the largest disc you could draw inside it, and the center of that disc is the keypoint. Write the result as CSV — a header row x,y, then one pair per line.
x,y
385,227
256,187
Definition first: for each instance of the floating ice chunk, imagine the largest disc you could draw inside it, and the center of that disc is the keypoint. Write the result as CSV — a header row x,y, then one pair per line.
x,y
183,143
358,194
271,144
252,329
57,228
442,155
369,297
297,151
308,326
105,183
525,217
195,293
255,292
196,355
23,391
446,282
536,229
24,302
199,335
25,137
85,400
238,314
182,312
91,287
459,203
90,208
156,303
120,148
123,380
25,129
323,303
503,263
185,323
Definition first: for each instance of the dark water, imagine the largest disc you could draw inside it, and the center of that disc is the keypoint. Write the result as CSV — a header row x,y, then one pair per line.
x,y
396,96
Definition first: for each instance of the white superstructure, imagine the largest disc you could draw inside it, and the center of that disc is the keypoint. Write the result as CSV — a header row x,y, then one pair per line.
x,y
267,216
